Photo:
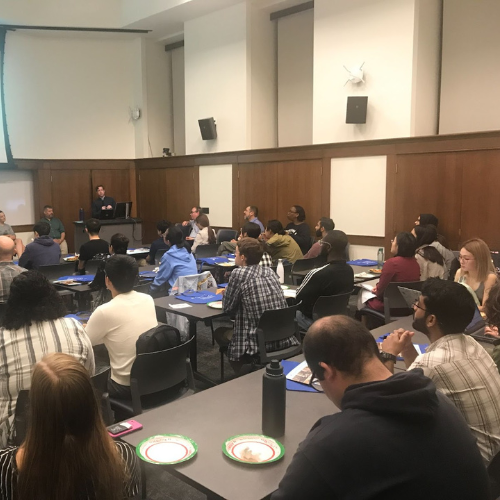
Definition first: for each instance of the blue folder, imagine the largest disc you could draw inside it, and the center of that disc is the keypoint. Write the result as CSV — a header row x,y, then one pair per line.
x,y
363,262
288,366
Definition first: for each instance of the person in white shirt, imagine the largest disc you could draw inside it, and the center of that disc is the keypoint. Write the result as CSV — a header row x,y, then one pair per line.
x,y
206,235
119,323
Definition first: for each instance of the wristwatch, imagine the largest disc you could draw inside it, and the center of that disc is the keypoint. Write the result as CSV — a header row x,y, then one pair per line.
x,y
387,356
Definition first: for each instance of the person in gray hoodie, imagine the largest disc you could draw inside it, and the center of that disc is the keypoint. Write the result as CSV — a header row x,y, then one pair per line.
x,y
396,437
43,251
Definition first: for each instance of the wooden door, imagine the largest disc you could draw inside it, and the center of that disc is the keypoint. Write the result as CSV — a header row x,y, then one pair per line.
x,y
116,183
428,183
71,190
300,183
182,192
480,196
257,185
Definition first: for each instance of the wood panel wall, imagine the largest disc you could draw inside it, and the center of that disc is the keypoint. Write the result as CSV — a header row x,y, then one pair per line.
x,y
454,177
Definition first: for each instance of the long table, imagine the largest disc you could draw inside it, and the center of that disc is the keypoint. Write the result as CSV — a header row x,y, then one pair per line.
x,y
212,416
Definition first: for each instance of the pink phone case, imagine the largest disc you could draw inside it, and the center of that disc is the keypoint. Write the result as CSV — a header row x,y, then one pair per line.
x,y
135,427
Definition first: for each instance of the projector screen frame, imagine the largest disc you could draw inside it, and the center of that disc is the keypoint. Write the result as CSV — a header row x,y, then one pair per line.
x,y
8,150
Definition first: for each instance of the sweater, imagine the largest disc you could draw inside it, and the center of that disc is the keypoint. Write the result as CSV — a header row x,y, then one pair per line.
x,y
394,439
174,263
201,238
301,234
334,278
283,247
44,251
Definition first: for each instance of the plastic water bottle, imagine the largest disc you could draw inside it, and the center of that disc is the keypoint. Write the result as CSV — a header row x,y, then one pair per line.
x,y
81,214
273,400
280,271
380,258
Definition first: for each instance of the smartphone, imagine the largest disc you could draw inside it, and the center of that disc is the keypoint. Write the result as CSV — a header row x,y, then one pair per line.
x,y
122,428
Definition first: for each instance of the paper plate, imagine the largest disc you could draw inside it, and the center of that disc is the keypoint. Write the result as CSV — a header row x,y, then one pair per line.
x,y
226,264
290,293
166,449
284,287
253,449
215,305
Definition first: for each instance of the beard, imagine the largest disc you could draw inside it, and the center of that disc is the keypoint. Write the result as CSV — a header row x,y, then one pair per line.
x,y
419,324
319,234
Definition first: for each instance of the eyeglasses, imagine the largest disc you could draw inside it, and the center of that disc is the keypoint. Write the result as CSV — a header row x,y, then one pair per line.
x,y
415,304
291,212
464,258
314,383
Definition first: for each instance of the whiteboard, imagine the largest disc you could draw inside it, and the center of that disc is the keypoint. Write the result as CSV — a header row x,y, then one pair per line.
x,y
357,195
16,196
216,187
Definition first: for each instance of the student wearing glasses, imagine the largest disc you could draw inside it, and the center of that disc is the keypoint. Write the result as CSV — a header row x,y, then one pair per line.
x,y
194,214
476,269
298,229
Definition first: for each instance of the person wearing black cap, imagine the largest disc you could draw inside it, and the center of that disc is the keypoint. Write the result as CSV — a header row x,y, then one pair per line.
x,y
335,277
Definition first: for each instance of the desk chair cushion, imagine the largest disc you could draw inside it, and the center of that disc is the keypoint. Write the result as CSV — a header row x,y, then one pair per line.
x,y
159,338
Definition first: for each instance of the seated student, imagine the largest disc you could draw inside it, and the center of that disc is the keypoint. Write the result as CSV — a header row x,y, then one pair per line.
x,y
279,244
401,267
430,261
425,220
119,323
95,246
298,229
395,437
118,244
206,235
335,277
6,230
448,256
476,269
68,452
456,363
159,244
8,270
33,326
323,227
252,289
250,230
177,261
43,251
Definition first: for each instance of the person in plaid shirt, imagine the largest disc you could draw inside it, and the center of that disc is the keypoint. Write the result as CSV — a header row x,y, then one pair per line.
x,y
252,289
458,365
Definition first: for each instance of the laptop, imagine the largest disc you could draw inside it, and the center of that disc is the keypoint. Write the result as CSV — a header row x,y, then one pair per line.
x,y
106,214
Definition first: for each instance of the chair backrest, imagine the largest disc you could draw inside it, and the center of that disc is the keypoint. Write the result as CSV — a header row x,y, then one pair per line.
x,y
159,338
157,371
58,270
331,305
197,282
275,325
3,308
91,266
226,235
100,381
159,255
21,417
303,265
203,251
394,302
347,248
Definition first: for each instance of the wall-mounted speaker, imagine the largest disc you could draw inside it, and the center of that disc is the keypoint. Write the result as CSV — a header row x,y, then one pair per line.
x,y
356,109
208,129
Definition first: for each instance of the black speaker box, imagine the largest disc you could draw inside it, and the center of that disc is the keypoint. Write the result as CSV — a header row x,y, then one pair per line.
x,y
356,109
208,129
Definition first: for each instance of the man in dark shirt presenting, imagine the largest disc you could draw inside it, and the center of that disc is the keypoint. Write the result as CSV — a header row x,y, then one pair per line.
x,y
93,247
334,278
396,437
102,202
298,229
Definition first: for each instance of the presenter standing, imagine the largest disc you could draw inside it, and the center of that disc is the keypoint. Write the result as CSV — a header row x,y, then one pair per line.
x,y
102,202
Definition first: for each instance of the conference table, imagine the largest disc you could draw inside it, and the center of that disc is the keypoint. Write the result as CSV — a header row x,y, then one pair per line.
x,y
356,270
216,414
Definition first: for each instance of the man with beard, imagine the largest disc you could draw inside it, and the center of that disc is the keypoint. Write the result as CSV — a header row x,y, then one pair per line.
x,y
323,227
455,362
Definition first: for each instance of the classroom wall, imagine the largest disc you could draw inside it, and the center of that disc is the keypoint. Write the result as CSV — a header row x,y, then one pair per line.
x,y
471,67
69,97
216,193
380,34
295,79
179,101
215,58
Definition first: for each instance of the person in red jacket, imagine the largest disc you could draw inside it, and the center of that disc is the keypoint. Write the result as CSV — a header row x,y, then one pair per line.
x,y
402,267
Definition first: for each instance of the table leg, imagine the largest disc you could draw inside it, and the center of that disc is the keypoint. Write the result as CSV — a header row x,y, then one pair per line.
x,y
194,347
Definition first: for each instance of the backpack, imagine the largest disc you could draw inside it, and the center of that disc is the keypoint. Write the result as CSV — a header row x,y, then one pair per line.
x,y
159,338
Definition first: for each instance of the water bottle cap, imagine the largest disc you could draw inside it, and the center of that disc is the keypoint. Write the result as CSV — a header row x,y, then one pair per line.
x,y
274,368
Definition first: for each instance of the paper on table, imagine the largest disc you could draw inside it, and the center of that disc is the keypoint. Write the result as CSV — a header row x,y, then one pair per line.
x,y
364,296
368,287
179,306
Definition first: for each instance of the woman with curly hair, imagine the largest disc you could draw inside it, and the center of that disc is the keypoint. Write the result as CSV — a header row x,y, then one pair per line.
x,y
34,326
67,452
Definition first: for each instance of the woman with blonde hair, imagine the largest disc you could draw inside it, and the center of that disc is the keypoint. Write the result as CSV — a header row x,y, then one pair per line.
x,y
68,453
206,235
476,269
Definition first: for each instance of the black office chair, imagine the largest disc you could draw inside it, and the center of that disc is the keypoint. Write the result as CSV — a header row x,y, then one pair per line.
x,y
331,305
306,265
21,417
493,469
91,266
288,271
157,378
100,383
226,235
395,306
158,255
56,271
347,248
204,251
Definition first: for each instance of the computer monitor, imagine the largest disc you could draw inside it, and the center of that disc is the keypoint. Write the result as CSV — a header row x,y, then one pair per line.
x,y
106,214
123,209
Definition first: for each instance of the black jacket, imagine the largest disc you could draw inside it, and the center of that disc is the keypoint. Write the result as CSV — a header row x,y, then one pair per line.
x,y
97,205
398,439
301,234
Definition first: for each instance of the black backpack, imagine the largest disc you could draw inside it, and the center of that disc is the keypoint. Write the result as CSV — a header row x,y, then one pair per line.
x,y
159,338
